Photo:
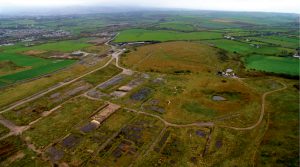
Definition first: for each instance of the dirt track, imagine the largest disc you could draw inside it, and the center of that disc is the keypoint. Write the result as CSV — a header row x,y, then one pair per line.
x,y
199,124
262,111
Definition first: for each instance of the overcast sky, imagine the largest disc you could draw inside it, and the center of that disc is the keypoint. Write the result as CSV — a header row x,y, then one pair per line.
x,y
289,6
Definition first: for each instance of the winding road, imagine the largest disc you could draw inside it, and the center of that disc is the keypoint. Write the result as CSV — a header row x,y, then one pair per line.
x,y
199,124
262,111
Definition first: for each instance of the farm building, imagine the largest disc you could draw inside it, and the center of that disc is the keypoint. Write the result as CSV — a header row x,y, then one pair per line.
x,y
77,53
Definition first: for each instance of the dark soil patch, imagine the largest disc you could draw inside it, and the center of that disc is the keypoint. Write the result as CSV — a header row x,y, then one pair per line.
x,y
96,94
219,143
89,127
70,141
153,102
156,109
142,94
194,160
117,153
200,133
77,90
55,154
162,141
113,81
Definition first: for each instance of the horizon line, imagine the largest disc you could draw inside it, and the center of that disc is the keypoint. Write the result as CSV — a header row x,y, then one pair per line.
x,y
9,11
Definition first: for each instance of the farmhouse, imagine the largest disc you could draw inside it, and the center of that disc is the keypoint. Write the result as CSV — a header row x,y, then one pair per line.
x,y
229,37
227,73
297,54
77,53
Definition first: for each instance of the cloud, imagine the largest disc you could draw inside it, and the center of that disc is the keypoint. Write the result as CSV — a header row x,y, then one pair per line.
x,y
235,5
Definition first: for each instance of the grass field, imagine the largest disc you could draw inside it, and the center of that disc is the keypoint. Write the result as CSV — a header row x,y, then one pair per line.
x,y
3,130
59,46
76,156
62,46
38,70
281,141
177,57
13,146
133,35
61,122
101,49
186,98
279,40
28,112
8,67
278,65
244,48
177,26
173,91
177,142
12,94
150,128
34,66
190,80
102,75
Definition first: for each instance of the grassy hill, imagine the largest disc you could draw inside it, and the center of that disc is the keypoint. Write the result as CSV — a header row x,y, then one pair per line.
x,y
134,35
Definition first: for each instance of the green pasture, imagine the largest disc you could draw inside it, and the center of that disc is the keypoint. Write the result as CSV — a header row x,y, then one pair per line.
x,y
177,26
36,66
60,46
279,40
245,48
280,65
51,66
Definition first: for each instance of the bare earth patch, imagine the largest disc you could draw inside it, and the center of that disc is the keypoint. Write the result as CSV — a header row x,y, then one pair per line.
x,y
222,21
34,52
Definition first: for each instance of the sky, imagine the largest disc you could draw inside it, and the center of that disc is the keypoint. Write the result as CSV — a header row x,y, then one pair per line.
x,y
285,6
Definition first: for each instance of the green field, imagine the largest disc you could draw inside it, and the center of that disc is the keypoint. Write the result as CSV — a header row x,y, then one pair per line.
x,y
133,35
60,46
244,48
279,65
281,41
177,26
63,46
35,66
8,67
22,90
102,75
